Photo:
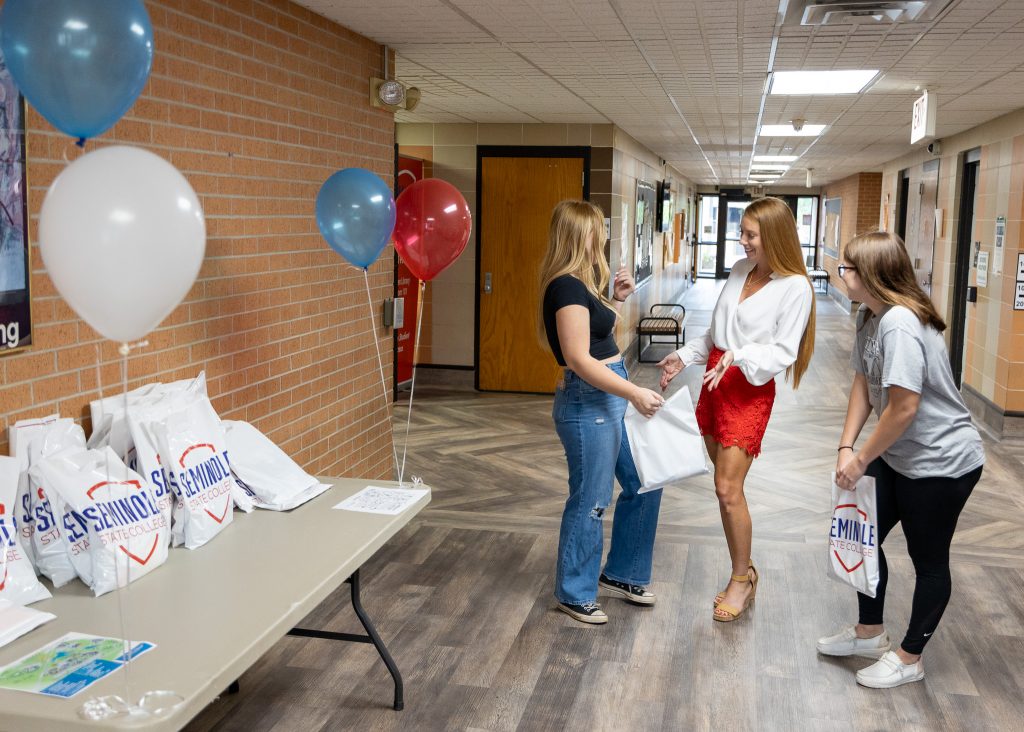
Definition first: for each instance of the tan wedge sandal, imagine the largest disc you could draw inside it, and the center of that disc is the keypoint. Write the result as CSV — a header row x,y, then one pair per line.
x,y
753,581
731,613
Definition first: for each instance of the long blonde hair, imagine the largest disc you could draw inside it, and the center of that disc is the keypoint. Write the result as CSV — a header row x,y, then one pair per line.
x,y
785,257
575,247
884,268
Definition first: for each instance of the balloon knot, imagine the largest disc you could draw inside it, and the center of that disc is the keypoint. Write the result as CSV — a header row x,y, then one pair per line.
x,y
80,142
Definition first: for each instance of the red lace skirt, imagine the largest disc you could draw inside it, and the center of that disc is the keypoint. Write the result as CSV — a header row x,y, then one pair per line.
x,y
736,413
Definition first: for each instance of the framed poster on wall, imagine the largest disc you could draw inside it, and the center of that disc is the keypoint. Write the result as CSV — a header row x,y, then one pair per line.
x,y
15,299
831,236
643,247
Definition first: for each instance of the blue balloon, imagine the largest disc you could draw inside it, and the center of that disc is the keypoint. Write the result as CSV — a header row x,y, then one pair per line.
x,y
356,214
80,63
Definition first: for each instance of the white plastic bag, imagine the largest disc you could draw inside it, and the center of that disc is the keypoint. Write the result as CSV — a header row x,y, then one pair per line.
x,y
114,531
277,481
667,447
18,582
52,558
110,423
192,447
853,538
19,435
140,419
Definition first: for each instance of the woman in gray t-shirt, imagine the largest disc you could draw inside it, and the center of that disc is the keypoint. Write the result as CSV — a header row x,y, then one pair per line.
x,y
924,453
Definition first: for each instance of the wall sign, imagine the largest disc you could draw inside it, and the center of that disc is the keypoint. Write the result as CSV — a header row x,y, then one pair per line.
x,y
643,250
830,235
1018,298
982,269
997,250
15,296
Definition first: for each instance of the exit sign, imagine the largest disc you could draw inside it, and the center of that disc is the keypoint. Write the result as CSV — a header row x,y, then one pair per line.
x,y
922,124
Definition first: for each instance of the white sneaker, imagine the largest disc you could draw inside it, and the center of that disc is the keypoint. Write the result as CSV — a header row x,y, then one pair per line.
x,y
846,643
889,671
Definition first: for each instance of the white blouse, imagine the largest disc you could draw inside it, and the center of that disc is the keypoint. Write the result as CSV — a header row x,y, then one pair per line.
x,y
763,332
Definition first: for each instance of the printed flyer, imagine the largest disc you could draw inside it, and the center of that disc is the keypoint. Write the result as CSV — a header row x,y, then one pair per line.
x,y
68,665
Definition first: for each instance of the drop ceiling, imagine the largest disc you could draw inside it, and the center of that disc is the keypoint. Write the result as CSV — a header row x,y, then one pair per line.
x,y
687,78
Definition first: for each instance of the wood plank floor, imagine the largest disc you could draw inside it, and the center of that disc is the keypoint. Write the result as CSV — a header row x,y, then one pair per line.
x,y
463,595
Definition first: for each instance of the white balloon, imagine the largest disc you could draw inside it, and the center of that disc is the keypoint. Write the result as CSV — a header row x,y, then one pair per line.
x,y
122,236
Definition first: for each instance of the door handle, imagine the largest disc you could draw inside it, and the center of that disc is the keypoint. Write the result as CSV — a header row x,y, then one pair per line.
x,y
487,283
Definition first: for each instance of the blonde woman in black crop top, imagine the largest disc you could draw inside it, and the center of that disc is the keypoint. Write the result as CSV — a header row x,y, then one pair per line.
x,y
578,323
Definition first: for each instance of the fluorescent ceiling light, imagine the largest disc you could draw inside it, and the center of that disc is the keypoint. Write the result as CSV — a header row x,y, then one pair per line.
x,y
850,81
764,176
788,131
768,166
775,158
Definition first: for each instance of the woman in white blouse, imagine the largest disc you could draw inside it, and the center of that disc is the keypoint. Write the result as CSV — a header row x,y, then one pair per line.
x,y
762,325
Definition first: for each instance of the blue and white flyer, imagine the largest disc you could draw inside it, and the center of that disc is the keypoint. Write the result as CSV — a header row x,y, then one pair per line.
x,y
69,664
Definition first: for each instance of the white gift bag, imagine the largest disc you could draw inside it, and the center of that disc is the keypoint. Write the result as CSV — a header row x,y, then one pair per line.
x,y
853,538
668,446
276,481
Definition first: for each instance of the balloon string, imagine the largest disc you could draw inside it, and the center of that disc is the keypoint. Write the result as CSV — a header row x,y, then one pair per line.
x,y
122,591
380,364
122,596
412,387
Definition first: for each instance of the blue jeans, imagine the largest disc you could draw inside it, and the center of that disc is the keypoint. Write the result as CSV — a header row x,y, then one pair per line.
x,y
589,424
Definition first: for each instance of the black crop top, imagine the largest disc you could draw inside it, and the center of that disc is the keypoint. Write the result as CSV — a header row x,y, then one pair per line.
x,y
567,290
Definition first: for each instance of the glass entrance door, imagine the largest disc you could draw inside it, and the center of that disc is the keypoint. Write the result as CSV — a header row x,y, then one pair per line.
x,y
707,237
732,250
719,245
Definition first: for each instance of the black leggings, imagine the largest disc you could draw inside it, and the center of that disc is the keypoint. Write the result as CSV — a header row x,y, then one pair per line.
x,y
928,508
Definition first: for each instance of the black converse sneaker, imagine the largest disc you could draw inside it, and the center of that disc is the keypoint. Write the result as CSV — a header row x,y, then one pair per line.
x,y
635,594
588,612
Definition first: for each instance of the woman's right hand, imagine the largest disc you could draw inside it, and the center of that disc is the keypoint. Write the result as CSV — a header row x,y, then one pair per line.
x,y
670,367
646,401
846,456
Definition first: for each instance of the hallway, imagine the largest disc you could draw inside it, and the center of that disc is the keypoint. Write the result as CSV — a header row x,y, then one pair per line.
x,y
463,595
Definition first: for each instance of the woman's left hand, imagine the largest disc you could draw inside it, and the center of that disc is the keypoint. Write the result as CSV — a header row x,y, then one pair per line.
x,y
713,376
850,472
623,285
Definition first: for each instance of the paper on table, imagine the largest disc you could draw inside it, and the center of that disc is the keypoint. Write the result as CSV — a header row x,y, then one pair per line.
x,y
374,499
16,620
68,665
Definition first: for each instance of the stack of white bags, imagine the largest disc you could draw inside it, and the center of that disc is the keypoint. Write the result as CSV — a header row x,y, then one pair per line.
x,y
166,472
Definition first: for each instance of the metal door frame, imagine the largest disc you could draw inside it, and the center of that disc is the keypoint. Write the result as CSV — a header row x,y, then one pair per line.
x,y
970,161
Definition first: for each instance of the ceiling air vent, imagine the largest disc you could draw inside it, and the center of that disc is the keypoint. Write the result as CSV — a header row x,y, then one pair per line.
x,y
862,12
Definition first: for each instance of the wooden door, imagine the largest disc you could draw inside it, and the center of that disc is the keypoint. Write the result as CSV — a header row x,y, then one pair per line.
x,y
517,195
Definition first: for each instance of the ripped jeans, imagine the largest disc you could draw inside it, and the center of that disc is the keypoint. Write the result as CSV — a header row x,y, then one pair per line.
x,y
589,424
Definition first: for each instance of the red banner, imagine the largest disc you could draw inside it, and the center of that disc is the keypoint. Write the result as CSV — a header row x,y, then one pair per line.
x,y
410,170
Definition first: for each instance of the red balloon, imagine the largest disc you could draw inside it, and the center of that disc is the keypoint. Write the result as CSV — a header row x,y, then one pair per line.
x,y
431,227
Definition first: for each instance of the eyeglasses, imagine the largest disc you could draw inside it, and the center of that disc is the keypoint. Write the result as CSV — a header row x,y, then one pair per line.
x,y
844,268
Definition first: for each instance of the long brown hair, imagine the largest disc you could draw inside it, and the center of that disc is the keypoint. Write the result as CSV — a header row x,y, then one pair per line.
x,y
785,257
575,247
884,269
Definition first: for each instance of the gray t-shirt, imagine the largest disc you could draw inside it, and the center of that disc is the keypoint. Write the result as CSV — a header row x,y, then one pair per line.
x,y
897,350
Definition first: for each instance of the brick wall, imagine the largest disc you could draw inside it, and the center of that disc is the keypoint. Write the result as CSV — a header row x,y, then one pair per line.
x,y
861,195
869,201
256,102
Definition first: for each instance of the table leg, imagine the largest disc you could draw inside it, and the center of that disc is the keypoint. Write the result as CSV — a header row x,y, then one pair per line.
x,y
377,642
371,637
